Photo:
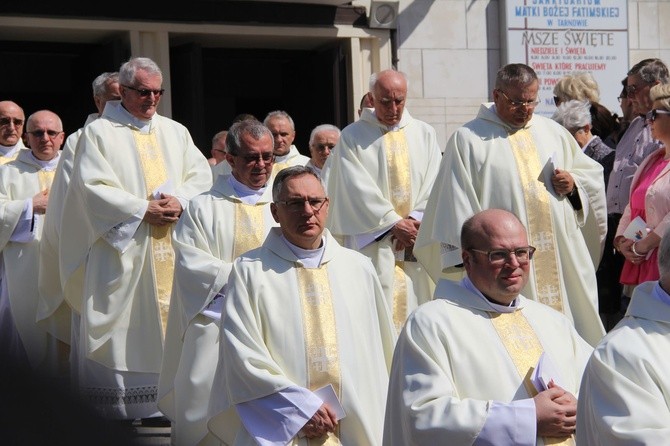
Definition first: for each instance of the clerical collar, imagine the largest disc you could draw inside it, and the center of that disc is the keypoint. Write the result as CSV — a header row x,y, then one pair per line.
x,y
390,128
143,125
513,306
246,194
282,158
310,258
8,151
660,294
46,165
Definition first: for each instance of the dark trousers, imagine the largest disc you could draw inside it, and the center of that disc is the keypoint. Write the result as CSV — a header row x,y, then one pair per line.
x,y
609,271
610,290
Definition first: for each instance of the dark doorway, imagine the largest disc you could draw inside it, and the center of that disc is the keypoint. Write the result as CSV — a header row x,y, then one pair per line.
x,y
209,86
212,86
56,76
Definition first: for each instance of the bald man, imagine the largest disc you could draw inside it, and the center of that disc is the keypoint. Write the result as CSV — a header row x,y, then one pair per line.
x,y
462,367
12,120
24,193
379,178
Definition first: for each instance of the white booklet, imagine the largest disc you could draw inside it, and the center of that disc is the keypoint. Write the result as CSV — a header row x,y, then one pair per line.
x,y
636,229
547,173
327,394
545,372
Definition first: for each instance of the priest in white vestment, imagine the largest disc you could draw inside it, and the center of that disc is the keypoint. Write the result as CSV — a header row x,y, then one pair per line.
x,y
282,127
481,364
52,311
24,193
379,179
12,119
625,392
306,336
510,158
134,172
217,226
322,142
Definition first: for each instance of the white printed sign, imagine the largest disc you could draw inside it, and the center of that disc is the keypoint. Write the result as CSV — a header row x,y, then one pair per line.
x,y
557,37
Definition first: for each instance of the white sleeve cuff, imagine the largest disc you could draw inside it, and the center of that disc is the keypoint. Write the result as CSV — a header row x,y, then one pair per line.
x,y
510,424
275,419
23,232
119,236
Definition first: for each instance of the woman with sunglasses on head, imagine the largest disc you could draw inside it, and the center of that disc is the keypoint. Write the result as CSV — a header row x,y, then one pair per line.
x,y
649,199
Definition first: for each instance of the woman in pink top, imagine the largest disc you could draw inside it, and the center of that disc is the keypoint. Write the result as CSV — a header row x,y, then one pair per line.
x,y
649,199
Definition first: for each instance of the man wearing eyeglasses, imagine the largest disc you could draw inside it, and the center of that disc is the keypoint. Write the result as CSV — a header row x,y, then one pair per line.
x,y
134,172
379,179
482,364
11,131
52,310
510,158
635,146
24,193
217,226
303,315
322,142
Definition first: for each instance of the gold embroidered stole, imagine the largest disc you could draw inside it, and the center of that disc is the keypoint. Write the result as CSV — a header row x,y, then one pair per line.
x,y
525,349
46,177
278,167
400,192
320,332
249,228
6,159
155,175
540,225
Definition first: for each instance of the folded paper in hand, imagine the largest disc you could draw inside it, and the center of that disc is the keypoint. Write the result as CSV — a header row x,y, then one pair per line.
x,y
636,229
327,395
547,173
545,372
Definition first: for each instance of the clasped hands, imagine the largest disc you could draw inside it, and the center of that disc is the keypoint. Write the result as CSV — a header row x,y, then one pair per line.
x,y
636,251
163,211
323,421
404,232
40,201
556,411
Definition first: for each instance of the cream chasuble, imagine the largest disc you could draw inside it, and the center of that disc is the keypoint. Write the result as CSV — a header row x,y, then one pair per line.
x,y
540,226
487,164
524,348
155,175
214,229
320,328
284,326
20,180
125,294
374,178
624,397
443,382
